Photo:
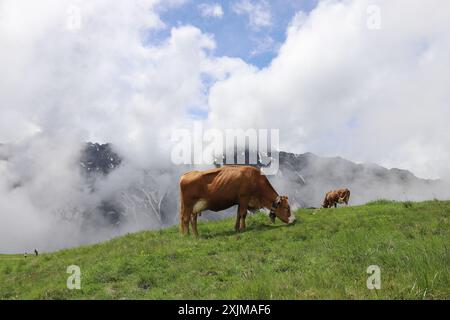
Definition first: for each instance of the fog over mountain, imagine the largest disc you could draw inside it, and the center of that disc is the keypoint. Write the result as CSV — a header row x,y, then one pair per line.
x,y
103,195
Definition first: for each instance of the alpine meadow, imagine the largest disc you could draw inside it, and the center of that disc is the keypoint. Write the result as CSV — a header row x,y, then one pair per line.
x,y
325,255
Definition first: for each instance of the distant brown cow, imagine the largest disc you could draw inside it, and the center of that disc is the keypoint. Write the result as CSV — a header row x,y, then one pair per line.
x,y
332,198
221,188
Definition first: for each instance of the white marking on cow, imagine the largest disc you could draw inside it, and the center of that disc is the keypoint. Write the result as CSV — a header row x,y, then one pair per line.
x,y
291,218
199,206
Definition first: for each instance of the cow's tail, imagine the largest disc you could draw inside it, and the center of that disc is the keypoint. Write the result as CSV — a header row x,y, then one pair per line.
x,y
182,209
184,215
181,212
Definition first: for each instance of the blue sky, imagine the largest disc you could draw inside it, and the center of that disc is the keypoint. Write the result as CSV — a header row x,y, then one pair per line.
x,y
236,35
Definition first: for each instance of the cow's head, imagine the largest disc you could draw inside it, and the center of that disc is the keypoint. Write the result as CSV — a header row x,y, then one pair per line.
x,y
282,210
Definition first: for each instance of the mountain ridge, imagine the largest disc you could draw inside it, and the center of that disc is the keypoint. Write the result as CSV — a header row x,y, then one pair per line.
x,y
117,197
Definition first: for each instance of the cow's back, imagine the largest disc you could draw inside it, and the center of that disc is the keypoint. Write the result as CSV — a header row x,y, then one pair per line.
x,y
220,188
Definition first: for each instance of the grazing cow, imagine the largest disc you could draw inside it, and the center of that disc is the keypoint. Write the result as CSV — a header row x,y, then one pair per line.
x,y
221,188
332,198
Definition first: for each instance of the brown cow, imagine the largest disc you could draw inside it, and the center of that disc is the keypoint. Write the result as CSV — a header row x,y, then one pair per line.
x,y
332,198
221,188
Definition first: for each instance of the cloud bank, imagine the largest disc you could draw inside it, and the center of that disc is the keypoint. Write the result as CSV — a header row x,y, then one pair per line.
x,y
338,87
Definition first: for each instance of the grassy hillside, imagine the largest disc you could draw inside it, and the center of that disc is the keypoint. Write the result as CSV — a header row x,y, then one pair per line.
x,y
324,255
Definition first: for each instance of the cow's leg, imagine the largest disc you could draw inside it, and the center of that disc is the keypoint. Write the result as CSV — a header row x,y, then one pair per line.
x,y
194,224
238,218
186,225
242,210
242,222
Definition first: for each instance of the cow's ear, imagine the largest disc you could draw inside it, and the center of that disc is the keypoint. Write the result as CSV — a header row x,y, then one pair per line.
x,y
278,200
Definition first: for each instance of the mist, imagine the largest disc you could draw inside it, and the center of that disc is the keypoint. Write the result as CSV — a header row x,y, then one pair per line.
x,y
306,179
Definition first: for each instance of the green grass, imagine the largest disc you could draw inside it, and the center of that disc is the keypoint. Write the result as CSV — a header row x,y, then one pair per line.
x,y
324,256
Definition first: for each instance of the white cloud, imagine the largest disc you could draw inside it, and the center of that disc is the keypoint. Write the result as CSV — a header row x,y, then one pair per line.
x,y
213,10
101,79
335,87
258,12
338,88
